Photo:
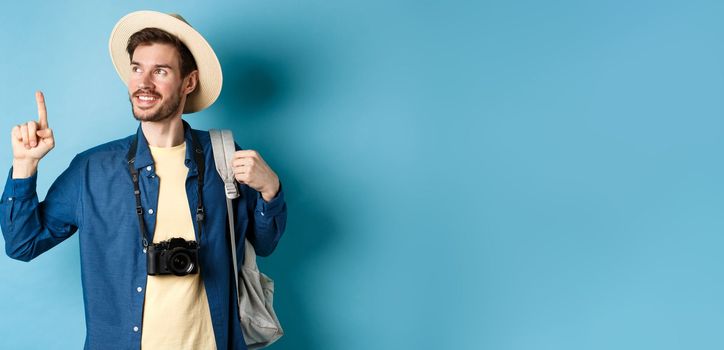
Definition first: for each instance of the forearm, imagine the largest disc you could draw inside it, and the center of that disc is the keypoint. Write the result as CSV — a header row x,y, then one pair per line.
x,y
31,227
20,227
268,222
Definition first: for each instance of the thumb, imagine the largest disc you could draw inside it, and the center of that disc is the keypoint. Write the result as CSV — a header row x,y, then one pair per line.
x,y
44,133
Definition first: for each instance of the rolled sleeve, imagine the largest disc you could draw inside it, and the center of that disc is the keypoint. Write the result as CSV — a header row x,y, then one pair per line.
x,y
268,223
271,208
19,188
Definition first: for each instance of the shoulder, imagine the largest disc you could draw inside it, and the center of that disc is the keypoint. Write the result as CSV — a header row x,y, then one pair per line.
x,y
111,149
204,139
202,136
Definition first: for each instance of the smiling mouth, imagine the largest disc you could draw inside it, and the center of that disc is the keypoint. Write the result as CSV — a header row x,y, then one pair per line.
x,y
146,100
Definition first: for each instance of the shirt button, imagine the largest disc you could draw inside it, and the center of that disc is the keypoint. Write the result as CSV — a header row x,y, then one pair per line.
x,y
135,329
150,211
149,168
139,289
10,198
262,213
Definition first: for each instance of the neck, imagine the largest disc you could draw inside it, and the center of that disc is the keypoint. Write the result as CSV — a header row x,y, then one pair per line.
x,y
165,133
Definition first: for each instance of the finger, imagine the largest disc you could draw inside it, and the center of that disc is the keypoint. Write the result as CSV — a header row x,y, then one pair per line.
x,y
24,135
32,138
45,133
247,153
239,170
42,113
17,136
245,161
47,137
242,178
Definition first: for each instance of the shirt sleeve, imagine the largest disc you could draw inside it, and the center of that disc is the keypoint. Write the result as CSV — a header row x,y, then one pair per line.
x,y
268,222
31,228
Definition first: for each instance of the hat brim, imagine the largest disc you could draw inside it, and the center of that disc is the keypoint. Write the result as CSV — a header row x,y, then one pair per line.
x,y
210,77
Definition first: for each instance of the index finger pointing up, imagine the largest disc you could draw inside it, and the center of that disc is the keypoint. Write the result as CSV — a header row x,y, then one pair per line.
x,y
42,113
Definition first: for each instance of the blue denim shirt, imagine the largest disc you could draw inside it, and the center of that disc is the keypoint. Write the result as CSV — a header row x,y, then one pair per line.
x,y
94,196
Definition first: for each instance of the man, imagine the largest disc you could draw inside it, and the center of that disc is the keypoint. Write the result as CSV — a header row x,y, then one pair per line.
x,y
131,300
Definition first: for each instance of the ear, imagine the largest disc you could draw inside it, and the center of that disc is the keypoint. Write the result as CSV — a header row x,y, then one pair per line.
x,y
190,82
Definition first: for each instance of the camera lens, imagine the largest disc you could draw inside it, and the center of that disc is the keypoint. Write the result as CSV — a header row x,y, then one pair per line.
x,y
181,263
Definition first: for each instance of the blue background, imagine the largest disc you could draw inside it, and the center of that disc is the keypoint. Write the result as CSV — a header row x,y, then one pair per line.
x,y
459,175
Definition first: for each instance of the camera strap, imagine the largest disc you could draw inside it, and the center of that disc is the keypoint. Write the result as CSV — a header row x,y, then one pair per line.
x,y
198,157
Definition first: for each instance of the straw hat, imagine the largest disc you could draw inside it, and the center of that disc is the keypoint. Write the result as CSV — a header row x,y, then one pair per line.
x,y
210,78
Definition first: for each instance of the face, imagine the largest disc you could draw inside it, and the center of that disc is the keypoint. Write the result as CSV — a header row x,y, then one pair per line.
x,y
155,87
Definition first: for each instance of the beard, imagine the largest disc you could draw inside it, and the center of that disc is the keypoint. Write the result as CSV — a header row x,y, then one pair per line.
x,y
165,110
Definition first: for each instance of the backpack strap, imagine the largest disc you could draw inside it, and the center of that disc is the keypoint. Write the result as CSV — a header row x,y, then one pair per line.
x,y
222,145
222,142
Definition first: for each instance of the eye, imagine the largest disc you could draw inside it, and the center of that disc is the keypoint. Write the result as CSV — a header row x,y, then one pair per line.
x,y
161,72
135,69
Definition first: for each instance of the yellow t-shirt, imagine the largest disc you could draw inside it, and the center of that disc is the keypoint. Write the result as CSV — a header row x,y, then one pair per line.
x,y
176,311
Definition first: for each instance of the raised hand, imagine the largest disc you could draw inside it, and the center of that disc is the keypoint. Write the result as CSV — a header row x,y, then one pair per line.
x,y
251,169
31,141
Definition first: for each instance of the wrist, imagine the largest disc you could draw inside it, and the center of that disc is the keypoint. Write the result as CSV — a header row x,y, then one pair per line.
x,y
270,194
24,168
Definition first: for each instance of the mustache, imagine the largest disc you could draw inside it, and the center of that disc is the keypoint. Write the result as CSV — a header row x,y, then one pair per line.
x,y
145,92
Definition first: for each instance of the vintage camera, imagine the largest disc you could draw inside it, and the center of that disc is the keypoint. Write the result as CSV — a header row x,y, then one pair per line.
x,y
176,256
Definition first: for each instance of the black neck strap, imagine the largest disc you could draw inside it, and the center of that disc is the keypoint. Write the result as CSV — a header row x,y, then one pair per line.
x,y
198,157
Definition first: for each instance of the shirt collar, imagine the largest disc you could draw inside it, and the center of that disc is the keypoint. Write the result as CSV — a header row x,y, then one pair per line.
x,y
143,152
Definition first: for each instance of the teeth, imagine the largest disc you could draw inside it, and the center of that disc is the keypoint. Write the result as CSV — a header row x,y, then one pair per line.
x,y
146,98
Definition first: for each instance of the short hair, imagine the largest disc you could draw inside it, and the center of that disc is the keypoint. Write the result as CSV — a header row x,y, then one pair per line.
x,y
148,36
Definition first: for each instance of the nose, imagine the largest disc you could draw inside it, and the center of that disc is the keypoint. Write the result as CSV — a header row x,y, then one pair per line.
x,y
144,81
